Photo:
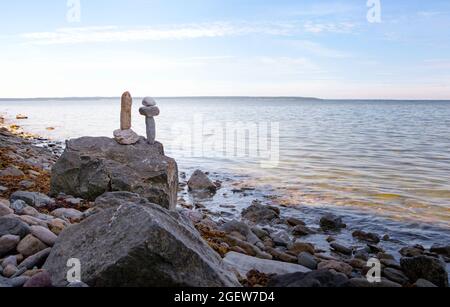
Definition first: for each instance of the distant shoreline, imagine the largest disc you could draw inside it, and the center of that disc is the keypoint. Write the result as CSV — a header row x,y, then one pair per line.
x,y
228,97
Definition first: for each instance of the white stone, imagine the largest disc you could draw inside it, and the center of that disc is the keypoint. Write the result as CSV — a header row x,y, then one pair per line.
x,y
244,264
148,102
126,137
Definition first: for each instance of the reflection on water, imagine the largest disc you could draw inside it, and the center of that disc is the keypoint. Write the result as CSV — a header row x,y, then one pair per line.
x,y
390,158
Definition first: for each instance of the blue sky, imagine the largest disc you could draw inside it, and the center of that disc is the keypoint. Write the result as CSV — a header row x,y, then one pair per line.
x,y
321,48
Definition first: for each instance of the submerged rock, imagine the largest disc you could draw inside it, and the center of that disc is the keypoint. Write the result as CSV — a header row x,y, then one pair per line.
x,y
138,244
92,166
331,222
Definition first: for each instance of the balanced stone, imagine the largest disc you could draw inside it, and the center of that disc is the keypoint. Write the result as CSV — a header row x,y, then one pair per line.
x,y
125,114
150,110
126,136
148,102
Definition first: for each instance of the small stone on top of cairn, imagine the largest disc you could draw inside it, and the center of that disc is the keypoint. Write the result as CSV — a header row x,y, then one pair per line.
x,y
126,136
150,110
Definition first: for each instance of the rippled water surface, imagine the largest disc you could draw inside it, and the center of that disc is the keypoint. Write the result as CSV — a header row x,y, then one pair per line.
x,y
385,158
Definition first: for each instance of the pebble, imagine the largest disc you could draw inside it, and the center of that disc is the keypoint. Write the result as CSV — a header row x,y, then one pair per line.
x,y
30,245
365,236
341,249
299,247
395,276
337,266
33,199
11,172
44,234
33,221
331,222
10,260
35,260
41,280
3,189
5,210
301,231
13,226
71,214
281,238
9,271
8,243
292,221
307,260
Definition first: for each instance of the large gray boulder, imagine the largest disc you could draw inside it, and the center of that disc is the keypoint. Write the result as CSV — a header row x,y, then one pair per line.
x,y
137,244
91,166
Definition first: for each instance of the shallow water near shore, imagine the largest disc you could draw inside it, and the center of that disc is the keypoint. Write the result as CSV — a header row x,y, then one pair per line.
x,y
383,165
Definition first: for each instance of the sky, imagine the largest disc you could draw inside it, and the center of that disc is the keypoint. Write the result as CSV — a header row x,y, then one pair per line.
x,y
376,49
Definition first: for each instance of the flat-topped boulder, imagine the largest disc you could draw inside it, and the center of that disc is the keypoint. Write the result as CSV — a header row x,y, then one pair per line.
x,y
91,166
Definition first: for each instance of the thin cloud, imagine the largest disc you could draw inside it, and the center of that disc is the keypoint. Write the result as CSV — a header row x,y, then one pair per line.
x,y
319,50
177,32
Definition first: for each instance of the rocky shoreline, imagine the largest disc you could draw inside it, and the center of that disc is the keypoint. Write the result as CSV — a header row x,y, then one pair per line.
x,y
36,229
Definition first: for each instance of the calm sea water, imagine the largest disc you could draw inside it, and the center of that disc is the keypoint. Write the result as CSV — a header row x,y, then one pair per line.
x,y
388,159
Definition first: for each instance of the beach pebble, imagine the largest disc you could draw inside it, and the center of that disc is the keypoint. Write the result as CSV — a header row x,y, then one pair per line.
x,y
301,231
30,245
8,243
261,214
10,260
5,210
13,226
40,280
364,236
412,251
126,137
281,238
307,260
341,249
33,199
35,260
66,213
11,172
338,266
3,189
44,234
33,221
396,276
148,102
9,271
331,222
299,247
149,111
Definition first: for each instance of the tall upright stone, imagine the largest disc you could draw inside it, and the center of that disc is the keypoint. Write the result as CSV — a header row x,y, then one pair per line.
x,y
150,111
126,136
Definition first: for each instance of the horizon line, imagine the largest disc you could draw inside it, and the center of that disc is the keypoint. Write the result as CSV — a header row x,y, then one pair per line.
x,y
233,97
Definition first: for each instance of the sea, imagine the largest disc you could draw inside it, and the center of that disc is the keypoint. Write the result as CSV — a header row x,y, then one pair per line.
x,y
383,165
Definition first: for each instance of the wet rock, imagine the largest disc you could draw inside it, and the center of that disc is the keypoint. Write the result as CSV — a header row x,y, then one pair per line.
x,y
362,254
412,251
390,263
424,267
8,243
44,234
33,199
358,263
338,266
299,247
13,226
281,238
162,244
422,283
89,167
11,172
375,249
307,260
315,279
282,256
365,236
341,249
243,229
395,276
292,221
331,222
244,264
199,181
260,214
30,245
301,231
5,210
40,280
440,249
